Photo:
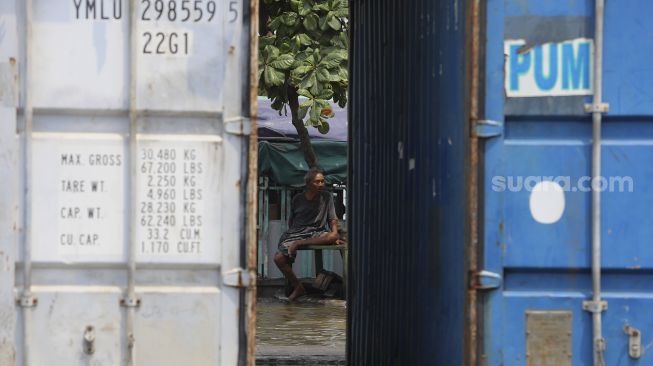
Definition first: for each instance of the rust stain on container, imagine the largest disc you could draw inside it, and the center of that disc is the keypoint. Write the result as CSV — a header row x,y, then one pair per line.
x,y
9,83
473,28
252,189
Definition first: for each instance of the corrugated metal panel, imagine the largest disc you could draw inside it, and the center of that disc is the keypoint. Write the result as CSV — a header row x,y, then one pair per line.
x,y
132,147
408,144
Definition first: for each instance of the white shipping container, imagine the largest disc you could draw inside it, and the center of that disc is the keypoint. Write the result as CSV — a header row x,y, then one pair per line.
x,y
123,167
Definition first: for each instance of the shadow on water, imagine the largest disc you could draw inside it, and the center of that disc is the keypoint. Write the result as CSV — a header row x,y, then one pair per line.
x,y
307,322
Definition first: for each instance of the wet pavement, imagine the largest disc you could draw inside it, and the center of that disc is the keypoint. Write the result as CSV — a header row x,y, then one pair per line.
x,y
310,331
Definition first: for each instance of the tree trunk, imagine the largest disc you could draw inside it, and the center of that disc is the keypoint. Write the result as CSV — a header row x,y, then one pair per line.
x,y
302,132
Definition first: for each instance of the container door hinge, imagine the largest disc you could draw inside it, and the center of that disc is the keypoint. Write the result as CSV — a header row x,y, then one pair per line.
x,y
595,306
597,108
485,280
237,126
130,302
485,128
27,301
239,278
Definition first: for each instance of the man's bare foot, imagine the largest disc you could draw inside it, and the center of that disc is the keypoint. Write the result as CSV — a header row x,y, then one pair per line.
x,y
299,291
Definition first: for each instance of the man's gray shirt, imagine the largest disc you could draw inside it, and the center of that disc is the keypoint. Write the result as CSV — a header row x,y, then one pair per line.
x,y
308,217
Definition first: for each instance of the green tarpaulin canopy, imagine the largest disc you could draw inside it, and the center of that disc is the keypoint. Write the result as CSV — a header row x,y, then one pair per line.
x,y
284,162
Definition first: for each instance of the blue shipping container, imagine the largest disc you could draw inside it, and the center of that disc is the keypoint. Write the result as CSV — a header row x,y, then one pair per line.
x,y
537,164
471,164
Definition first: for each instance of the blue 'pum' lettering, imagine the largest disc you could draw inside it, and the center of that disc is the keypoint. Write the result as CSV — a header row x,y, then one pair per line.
x,y
546,82
575,66
548,69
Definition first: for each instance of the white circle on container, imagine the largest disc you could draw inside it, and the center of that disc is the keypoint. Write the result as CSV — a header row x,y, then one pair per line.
x,y
547,202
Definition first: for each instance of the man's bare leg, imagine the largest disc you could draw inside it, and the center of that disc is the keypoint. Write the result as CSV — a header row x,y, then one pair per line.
x,y
324,239
285,268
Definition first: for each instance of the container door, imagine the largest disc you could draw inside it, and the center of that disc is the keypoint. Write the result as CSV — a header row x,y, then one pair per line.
x,y
132,159
536,185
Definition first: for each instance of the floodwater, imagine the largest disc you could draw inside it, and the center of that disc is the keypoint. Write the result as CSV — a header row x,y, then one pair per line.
x,y
304,323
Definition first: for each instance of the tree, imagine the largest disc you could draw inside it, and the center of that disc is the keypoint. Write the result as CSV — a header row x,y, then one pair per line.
x,y
303,52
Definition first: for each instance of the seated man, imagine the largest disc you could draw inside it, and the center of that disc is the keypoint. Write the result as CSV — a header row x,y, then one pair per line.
x,y
311,210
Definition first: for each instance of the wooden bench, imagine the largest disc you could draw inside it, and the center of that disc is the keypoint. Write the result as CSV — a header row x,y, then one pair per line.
x,y
319,263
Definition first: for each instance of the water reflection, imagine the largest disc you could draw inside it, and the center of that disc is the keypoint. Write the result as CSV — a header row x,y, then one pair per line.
x,y
310,323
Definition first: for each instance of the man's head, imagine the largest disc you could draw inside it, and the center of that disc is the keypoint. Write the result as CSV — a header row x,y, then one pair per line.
x,y
314,180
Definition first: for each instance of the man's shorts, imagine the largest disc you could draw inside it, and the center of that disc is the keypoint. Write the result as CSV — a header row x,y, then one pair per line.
x,y
284,245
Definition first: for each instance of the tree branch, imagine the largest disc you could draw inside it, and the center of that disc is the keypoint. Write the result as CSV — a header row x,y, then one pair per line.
x,y
302,132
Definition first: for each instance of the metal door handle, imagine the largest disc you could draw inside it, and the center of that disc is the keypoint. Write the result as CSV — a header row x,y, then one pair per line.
x,y
634,341
89,340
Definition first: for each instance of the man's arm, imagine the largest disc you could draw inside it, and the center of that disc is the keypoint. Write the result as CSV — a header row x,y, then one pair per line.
x,y
291,216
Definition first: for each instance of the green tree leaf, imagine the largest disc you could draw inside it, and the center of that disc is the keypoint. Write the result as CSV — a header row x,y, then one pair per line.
x,y
299,73
302,70
283,62
266,40
277,104
334,22
334,76
315,86
323,23
285,48
323,127
322,103
342,102
314,118
323,75
271,53
311,22
305,9
343,74
321,6
308,82
289,18
325,94
341,8
304,39
302,112
305,93
307,103
273,77
332,60
296,5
